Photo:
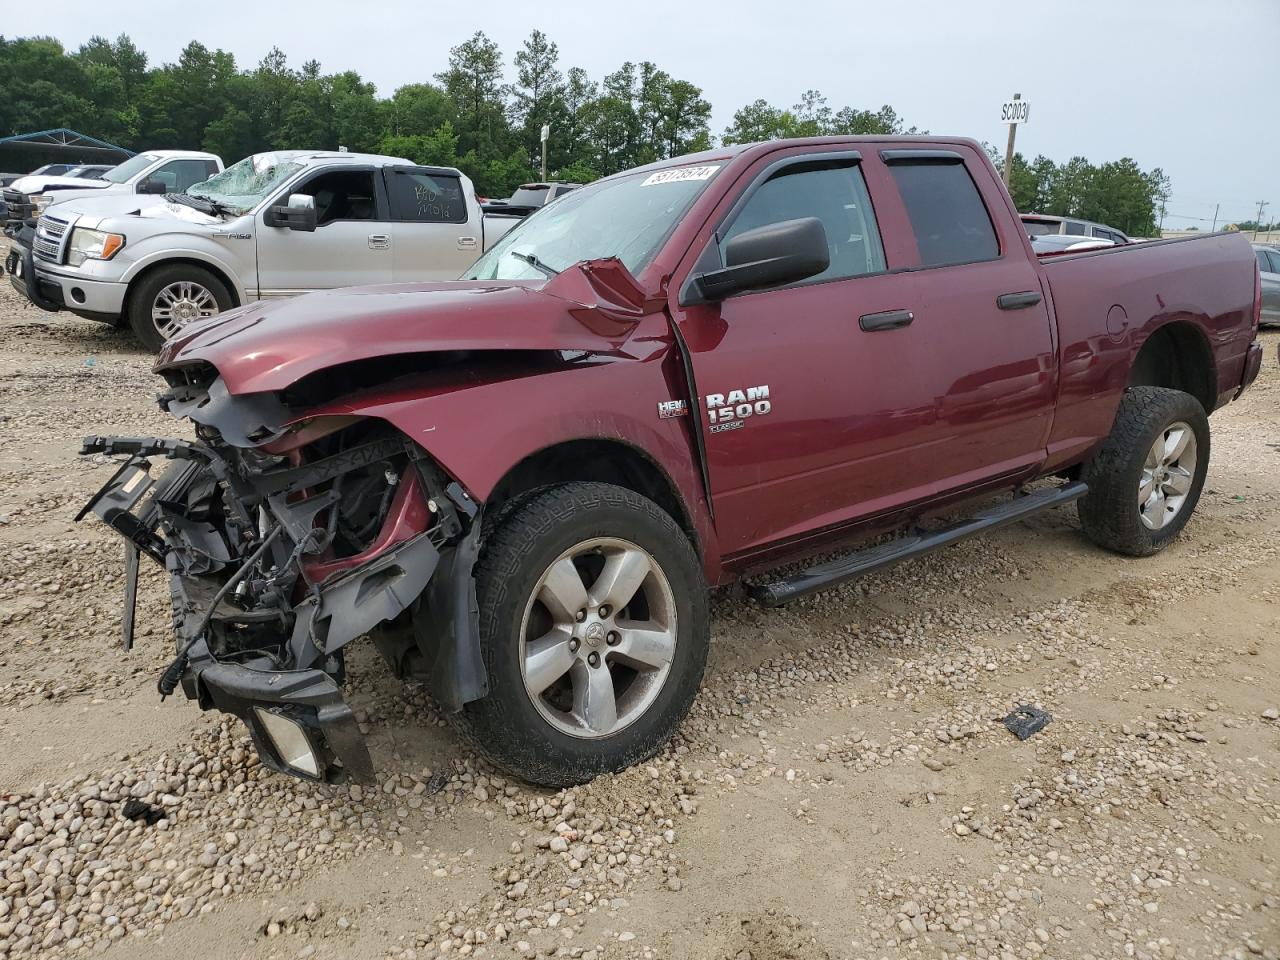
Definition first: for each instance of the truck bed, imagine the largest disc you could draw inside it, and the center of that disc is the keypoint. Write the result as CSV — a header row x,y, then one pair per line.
x,y
1126,292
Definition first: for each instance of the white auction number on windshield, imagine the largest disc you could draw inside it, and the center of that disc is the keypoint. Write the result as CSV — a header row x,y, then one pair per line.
x,y
679,175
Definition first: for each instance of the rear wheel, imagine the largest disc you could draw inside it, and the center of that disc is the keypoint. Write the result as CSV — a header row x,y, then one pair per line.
x,y
169,298
1145,481
594,626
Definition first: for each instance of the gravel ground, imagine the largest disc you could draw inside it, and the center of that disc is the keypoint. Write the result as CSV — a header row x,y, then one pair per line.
x,y
843,788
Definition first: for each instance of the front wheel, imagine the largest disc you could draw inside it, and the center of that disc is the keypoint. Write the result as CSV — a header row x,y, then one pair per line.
x,y
594,628
1146,479
167,299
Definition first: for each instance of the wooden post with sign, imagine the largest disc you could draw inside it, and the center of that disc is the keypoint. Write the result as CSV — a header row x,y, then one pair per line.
x,y
546,133
1013,113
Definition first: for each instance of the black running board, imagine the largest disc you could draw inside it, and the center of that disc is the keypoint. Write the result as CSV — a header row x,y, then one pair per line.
x,y
862,562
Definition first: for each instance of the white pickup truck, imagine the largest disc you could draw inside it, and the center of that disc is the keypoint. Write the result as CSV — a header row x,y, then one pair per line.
x,y
273,225
151,172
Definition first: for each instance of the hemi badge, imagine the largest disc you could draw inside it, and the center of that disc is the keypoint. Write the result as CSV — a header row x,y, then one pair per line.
x,y
672,408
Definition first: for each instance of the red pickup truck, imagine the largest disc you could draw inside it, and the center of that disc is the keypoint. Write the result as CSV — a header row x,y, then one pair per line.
x,y
520,485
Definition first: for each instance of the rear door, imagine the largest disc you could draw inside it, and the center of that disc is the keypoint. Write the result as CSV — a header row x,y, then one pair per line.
x,y
435,231
351,245
982,336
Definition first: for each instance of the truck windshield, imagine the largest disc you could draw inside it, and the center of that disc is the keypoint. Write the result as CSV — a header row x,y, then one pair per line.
x,y
628,217
130,168
242,186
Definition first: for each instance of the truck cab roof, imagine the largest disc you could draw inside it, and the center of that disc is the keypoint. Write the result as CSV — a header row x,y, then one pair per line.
x,y
182,153
311,157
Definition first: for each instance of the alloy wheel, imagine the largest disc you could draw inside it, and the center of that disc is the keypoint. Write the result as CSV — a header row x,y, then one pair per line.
x,y
598,637
1167,474
181,303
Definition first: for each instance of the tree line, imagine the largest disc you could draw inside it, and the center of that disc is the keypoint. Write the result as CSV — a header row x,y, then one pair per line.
x,y
468,115
1118,193
473,115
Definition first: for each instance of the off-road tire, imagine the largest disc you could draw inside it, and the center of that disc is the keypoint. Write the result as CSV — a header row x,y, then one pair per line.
x,y
1109,512
142,296
505,725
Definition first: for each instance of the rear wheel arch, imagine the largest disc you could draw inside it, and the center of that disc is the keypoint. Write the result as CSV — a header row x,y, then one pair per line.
x,y
1177,355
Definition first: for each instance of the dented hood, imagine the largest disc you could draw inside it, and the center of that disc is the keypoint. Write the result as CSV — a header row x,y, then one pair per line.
x,y
592,306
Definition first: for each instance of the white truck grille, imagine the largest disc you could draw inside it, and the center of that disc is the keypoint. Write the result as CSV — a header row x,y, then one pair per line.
x,y
51,239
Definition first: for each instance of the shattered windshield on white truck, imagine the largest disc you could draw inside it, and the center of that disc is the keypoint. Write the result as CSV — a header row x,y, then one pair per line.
x,y
242,186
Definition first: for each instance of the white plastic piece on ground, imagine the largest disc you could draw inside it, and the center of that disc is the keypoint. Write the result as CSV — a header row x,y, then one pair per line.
x,y
291,742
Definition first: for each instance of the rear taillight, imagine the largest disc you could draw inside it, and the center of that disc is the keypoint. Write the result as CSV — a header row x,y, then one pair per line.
x,y
1257,295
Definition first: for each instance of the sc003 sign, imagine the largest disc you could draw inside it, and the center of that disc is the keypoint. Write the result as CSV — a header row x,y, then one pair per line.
x,y
1015,111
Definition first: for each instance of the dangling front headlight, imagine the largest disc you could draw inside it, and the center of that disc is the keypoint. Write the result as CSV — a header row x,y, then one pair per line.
x,y
92,245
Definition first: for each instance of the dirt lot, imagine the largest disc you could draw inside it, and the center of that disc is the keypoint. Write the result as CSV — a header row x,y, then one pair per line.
x,y
843,788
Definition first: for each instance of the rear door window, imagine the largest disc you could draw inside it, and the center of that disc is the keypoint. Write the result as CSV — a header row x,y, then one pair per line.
x,y
947,214
1075,228
421,196
835,193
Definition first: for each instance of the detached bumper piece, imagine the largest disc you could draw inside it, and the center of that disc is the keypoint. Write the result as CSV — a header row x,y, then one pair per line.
x,y
262,606
298,720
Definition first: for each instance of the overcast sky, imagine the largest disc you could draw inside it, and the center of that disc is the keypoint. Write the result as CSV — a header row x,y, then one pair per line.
x,y
1187,85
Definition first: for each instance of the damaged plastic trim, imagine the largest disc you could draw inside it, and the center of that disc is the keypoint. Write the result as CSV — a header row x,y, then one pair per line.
x,y
261,609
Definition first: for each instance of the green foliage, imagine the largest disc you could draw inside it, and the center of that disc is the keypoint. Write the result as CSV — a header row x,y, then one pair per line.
x,y
811,117
1118,193
469,117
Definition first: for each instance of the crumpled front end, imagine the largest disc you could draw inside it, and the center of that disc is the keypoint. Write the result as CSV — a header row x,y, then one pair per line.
x,y
284,539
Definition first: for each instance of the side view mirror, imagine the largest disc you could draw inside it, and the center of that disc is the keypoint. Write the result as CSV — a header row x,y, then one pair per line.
x,y
298,214
152,185
768,256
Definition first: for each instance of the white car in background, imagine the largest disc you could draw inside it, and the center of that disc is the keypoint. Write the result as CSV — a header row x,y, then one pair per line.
x,y
153,172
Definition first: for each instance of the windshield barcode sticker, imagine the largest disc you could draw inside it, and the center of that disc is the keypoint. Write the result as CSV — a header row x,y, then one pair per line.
x,y
679,174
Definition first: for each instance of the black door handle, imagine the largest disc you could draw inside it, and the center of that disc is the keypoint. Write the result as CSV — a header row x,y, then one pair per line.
x,y
1018,301
887,320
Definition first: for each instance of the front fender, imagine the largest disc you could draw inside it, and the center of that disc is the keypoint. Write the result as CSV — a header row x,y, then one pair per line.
x,y
478,429
166,248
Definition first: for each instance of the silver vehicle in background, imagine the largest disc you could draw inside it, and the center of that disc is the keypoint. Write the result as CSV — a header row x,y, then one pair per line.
x,y
1066,243
273,225
1043,225
1269,265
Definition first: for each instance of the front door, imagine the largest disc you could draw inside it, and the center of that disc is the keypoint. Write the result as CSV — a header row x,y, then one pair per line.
x,y
351,245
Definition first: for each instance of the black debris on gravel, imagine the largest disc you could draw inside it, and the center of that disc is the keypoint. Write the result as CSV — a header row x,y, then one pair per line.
x,y
1026,721
137,810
